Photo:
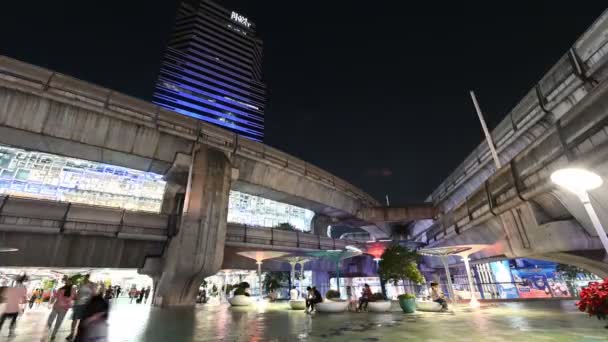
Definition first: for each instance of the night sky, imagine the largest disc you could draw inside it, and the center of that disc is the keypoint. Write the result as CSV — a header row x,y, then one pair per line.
x,y
375,92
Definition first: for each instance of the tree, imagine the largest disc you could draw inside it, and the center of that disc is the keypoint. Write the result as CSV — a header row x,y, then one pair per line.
x,y
285,226
399,263
274,280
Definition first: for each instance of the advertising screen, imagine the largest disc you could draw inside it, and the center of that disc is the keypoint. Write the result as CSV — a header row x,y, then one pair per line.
x,y
531,283
504,280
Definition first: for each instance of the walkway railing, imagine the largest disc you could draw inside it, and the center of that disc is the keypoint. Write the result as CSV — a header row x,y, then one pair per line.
x,y
239,235
26,215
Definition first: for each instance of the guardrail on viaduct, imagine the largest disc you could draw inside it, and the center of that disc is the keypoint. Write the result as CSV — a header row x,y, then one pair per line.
x,y
18,214
560,89
581,136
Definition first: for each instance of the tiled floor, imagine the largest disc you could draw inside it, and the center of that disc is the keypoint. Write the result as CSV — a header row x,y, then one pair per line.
x,y
537,321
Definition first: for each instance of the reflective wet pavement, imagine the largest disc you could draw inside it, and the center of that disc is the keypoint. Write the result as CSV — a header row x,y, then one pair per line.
x,y
532,321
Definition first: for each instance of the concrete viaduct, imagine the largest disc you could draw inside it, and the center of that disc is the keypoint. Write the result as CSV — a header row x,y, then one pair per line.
x,y
45,111
563,121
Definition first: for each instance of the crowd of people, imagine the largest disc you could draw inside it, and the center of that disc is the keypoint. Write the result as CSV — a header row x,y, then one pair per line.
x,y
90,303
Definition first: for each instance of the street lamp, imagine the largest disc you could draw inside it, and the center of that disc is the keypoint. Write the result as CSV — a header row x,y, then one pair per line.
x,y
579,181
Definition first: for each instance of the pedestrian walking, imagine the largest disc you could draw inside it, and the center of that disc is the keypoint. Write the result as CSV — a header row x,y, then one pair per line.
x,y
33,298
94,325
146,294
132,294
13,297
141,295
85,292
63,302
118,291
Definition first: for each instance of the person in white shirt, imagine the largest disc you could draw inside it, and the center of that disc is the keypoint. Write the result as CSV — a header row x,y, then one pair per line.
x,y
293,294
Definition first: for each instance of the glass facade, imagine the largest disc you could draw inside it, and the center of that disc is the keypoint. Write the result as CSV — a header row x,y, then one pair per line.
x,y
46,176
256,211
517,279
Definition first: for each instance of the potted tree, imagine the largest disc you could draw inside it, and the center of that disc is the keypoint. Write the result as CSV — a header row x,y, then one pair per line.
x,y
241,295
273,282
407,302
399,263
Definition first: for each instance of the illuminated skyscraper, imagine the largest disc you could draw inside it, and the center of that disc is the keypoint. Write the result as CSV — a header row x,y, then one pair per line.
x,y
212,69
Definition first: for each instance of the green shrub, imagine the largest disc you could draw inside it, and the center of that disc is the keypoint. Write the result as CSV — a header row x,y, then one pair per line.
x,y
377,297
407,296
332,294
239,291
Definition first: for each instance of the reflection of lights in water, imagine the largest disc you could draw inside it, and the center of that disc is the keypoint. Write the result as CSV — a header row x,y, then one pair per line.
x,y
261,304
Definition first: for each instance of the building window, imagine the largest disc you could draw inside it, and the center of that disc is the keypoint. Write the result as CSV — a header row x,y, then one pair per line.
x,y
256,211
46,176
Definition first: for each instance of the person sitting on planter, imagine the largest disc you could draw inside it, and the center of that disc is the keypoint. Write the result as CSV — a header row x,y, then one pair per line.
x,y
366,294
437,296
293,293
309,298
315,298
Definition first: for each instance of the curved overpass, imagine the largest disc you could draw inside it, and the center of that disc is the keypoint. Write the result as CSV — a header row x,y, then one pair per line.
x,y
49,112
562,122
60,234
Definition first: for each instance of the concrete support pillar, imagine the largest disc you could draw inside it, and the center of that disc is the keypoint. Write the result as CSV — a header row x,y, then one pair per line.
x,y
319,224
170,198
197,250
446,265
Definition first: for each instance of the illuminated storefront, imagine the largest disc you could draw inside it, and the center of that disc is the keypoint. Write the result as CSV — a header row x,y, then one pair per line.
x,y
46,176
261,212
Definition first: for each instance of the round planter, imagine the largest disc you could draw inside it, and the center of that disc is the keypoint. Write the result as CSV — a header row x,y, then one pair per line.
x,y
427,305
408,305
379,306
331,306
297,304
240,300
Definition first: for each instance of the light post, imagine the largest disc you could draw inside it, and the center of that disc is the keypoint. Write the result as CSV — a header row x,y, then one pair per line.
x,y
579,181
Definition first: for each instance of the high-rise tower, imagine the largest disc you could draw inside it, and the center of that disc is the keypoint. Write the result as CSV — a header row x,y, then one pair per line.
x,y
212,69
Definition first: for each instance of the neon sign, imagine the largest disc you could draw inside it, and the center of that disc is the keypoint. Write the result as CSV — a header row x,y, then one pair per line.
x,y
240,19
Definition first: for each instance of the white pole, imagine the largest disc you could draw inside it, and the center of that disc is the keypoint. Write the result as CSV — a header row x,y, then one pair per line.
x,y
486,131
444,260
293,275
599,229
260,277
473,302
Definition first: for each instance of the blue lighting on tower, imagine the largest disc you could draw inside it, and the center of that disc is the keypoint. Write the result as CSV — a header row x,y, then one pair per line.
x,y
211,70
